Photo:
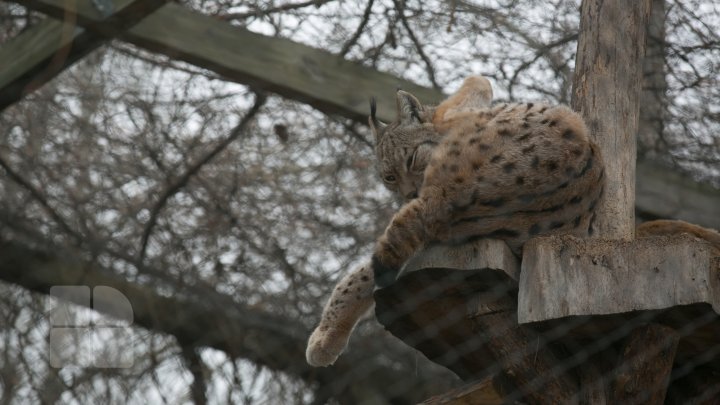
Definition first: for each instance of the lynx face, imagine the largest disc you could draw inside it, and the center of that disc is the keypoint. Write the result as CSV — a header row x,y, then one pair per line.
x,y
404,147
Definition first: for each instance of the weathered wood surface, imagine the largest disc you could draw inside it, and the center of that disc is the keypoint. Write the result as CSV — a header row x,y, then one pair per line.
x,y
479,393
645,364
40,53
37,55
606,92
313,76
654,105
565,276
481,254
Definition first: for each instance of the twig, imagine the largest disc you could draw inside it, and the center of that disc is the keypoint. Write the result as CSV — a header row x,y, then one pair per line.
x,y
194,364
181,181
284,7
539,52
428,65
358,31
17,178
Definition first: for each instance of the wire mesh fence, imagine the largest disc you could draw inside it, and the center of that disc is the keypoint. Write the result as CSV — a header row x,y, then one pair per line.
x,y
145,160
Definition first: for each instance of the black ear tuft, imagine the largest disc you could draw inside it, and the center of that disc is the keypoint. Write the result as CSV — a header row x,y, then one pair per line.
x,y
373,108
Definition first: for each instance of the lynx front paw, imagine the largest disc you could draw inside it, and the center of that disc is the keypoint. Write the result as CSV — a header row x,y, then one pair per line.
x,y
384,275
325,346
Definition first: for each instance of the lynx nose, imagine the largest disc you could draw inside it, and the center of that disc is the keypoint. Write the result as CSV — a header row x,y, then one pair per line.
x,y
411,196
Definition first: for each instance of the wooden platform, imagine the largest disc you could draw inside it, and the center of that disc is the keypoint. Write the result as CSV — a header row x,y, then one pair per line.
x,y
459,306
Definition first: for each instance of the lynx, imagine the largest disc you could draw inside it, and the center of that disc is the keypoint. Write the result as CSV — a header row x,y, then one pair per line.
x,y
469,170
510,172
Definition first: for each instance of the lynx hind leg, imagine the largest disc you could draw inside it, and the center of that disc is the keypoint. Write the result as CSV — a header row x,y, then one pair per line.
x,y
351,299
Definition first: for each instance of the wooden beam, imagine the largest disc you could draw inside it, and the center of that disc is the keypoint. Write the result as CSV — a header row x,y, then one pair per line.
x,y
313,76
606,92
40,53
37,55
478,393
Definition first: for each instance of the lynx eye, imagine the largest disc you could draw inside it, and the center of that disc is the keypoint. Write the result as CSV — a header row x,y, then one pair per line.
x,y
390,178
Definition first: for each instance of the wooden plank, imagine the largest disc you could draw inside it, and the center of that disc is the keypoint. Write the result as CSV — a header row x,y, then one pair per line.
x,y
478,393
436,293
564,276
105,17
645,364
313,76
40,53
481,254
606,92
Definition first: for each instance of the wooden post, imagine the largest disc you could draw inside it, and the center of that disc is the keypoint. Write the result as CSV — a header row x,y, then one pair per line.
x,y
606,92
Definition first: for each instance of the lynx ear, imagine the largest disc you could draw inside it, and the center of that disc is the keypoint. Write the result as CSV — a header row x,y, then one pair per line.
x,y
408,108
376,126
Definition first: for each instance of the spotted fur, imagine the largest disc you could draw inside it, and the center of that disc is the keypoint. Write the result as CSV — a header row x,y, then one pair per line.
x,y
472,170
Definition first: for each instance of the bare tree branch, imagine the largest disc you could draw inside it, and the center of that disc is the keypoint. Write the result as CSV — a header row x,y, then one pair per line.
x,y
359,30
40,198
194,364
285,7
181,181
400,7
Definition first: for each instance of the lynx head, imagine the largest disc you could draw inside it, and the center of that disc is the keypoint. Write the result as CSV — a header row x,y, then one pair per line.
x,y
404,147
